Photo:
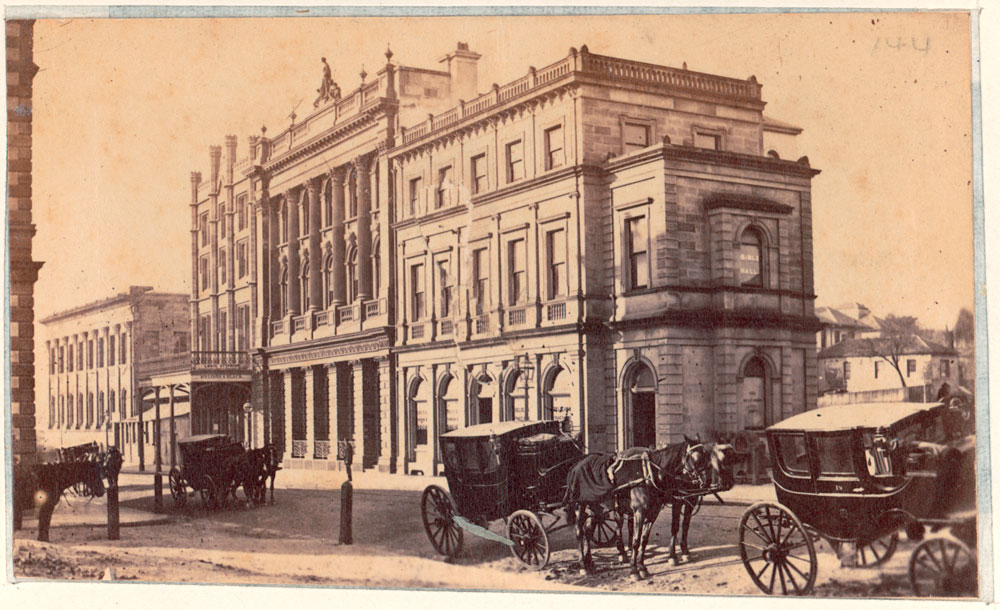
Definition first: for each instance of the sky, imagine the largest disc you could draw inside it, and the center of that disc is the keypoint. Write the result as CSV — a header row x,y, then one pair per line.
x,y
124,110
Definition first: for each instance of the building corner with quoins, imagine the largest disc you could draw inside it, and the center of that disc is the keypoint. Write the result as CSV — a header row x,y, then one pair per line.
x,y
23,270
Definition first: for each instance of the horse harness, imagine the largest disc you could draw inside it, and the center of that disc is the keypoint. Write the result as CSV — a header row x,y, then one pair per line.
x,y
625,467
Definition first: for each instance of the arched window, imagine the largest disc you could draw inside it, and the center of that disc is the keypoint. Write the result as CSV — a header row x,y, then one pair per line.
x,y
328,282
283,292
304,286
449,404
751,271
640,406
352,276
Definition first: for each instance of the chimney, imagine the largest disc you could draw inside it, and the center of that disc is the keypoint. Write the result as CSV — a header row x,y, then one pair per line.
x,y
230,156
462,67
215,152
195,181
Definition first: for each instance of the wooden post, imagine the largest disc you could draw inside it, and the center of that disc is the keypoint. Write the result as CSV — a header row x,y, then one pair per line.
x,y
113,470
158,463
173,431
346,451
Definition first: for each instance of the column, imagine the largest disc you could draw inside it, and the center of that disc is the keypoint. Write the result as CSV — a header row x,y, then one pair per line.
x,y
156,431
359,413
292,200
271,282
333,386
315,256
287,375
310,409
387,454
339,245
363,166
173,430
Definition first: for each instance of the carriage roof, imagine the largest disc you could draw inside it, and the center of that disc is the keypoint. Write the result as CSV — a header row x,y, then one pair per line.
x,y
851,417
502,429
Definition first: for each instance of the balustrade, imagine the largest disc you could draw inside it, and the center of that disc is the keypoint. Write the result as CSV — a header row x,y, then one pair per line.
x,y
517,317
555,311
220,360
299,448
482,324
321,450
417,331
447,328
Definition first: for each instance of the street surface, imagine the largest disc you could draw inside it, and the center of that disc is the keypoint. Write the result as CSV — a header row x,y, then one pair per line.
x,y
295,541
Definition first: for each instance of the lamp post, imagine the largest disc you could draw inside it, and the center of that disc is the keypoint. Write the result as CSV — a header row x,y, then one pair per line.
x,y
247,411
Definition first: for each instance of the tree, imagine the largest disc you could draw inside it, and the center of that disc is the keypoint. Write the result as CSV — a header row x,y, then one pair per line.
x,y
965,328
899,333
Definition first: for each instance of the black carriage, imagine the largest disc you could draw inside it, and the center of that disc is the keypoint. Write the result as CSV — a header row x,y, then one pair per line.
x,y
514,471
855,475
212,465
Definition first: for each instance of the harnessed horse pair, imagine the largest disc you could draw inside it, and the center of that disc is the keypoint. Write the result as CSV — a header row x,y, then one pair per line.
x,y
637,484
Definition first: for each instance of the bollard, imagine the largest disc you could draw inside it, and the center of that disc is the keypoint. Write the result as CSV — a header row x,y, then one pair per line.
x,y
113,520
158,491
345,451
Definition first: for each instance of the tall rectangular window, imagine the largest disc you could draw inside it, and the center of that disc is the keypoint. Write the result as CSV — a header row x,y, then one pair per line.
x,y
635,136
911,367
203,228
71,359
241,212
111,350
62,362
480,183
553,147
444,286
638,252
945,368
518,273
100,352
90,354
222,328
515,161
555,246
52,362
222,220
241,259
180,342
414,196
222,267
481,279
203,269
442,196
79,356
124,347
417,282
205,334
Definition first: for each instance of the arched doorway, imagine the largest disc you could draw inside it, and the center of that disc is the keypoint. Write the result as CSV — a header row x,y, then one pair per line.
x,y
556,397
760,395
515,396
481,396
640,406
418,424
449,411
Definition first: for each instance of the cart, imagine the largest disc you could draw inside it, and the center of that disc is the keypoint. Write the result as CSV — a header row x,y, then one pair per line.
x,y
212,465
510,471
856,475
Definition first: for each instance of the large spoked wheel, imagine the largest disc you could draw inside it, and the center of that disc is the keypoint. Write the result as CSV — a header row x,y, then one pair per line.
x,y
439,510
607,527
877,552
209,493
177,487
531,542
943,567
776,550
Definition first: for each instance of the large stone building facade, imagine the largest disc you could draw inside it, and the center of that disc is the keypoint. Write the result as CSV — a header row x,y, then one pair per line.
x,y
21,71
98,356
621,246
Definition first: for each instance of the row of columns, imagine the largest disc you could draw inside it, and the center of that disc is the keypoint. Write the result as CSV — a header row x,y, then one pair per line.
x,y
308,200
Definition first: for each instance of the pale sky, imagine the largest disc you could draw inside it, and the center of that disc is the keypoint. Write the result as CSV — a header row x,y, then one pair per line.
x,y
124,110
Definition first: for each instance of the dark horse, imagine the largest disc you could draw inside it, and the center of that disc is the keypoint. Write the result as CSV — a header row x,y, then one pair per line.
x,y
648,479
42,485
259,466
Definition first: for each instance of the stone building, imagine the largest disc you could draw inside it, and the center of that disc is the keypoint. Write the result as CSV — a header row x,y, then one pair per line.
x,y
21,70
621,246
97,355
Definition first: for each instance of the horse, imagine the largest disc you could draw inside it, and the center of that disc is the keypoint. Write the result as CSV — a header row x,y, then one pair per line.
x,y
43,485
687,498
649,478
259,465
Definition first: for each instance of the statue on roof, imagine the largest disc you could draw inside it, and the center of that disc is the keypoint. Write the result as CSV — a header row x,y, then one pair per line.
x,y
328,89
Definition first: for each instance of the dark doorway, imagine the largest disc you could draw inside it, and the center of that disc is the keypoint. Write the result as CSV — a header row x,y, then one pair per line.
x,y
643,419
485,410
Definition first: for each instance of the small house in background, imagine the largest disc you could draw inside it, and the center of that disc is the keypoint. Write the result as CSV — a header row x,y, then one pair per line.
x,y
849,367
845,322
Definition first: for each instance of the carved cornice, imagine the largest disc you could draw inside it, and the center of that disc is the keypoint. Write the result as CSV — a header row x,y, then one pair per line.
x,y
331,351
337,132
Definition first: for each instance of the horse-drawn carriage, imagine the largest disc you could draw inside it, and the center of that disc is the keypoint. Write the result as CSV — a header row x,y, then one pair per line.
x,y
216,466
855,475
514,471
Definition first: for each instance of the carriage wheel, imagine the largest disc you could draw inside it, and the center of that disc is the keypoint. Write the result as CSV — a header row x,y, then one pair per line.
x,y
437,509
177,487
771,543
607,527
531,543
209,494
943,567
877,552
